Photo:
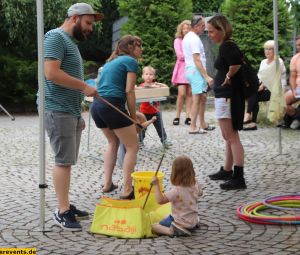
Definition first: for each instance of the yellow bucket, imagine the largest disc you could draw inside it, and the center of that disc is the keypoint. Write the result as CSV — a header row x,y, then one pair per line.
x,y
142,182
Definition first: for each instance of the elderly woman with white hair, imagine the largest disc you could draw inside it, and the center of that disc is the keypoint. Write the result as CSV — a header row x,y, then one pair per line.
x,y
266,75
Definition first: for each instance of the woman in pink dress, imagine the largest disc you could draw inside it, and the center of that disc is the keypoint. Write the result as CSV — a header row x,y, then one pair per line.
x,y
178,78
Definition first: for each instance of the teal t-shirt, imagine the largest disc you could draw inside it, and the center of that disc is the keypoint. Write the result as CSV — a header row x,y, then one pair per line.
x,y
112,82
59,45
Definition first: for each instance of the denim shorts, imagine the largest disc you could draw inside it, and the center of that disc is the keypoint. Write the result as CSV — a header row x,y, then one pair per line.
x,y
195,78
64,131
166,222
107,117
222,108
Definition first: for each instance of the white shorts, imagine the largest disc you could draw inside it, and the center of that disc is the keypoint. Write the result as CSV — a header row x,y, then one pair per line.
x,y
222,108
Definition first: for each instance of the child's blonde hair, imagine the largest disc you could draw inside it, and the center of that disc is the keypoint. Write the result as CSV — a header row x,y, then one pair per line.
x,y
183,173
150,68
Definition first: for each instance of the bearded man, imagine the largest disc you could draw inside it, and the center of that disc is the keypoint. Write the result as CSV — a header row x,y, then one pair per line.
x,y
64,92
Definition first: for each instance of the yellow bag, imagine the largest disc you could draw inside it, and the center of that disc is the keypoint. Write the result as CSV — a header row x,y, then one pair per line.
x,y
126,218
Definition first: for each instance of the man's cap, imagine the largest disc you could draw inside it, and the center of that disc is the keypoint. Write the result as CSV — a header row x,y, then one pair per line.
x,y
84,9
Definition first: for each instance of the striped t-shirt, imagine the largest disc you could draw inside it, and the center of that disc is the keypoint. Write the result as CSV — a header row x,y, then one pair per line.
x,y
59,45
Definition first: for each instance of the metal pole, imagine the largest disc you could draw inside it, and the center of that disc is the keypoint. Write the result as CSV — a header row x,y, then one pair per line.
x,y
7,113
294,39
89,129
275,26
275,31
40,39
279,141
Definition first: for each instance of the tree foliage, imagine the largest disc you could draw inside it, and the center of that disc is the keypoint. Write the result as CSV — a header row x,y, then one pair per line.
x,y
206,6
18,45
155,21
17,82
295,12
98,48
252,22
19,23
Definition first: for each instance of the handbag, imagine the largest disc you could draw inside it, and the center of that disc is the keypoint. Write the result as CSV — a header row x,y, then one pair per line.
x,y
250,79
249,76
127,218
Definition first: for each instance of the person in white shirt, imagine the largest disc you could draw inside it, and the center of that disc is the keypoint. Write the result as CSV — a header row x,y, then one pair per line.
x,y
266,75
196,74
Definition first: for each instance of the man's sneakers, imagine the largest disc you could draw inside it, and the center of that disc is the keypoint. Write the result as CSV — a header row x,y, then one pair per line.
x,y
68,219
79,215
179,231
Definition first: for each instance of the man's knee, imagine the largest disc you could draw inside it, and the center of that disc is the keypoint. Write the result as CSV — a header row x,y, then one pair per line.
x,y
203,97
290,110
289,98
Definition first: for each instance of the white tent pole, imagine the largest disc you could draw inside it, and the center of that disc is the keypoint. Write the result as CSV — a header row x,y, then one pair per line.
x,y
294,40
275,26
275,31
40,40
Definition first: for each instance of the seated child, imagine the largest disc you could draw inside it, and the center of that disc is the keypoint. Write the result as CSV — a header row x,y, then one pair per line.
x,y
183,197
151,109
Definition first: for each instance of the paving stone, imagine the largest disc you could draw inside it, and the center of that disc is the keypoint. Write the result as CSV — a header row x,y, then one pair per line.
x,y
221,232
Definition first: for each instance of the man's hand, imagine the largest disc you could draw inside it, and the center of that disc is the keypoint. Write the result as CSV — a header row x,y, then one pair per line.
x,y
89,91
210,81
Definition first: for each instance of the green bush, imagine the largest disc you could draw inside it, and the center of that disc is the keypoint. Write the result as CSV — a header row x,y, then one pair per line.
x,y
252,23
90,69
18,82
155,22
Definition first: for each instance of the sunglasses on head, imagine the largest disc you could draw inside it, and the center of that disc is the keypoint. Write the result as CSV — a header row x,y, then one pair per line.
x,y
196,20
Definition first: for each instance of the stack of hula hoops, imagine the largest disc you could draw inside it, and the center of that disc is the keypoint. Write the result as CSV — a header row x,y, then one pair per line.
x,y
284,205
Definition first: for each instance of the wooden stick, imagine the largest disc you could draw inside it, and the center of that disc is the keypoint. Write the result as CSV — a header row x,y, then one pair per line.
x,y
151,185
118,110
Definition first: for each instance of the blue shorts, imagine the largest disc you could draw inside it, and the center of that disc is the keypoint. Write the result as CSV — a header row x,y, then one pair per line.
x,y
107,117
195,78
166,222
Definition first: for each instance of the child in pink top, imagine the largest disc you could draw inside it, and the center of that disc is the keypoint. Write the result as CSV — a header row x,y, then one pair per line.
x,y
183,197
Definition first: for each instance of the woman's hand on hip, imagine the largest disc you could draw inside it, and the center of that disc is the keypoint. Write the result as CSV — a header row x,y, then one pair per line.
x,y
226,82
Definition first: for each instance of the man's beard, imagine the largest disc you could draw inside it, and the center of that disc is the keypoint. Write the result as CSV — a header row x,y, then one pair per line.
x,y
78,33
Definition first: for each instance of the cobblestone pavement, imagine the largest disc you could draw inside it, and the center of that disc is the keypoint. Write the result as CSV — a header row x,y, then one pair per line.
x,y
221,232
